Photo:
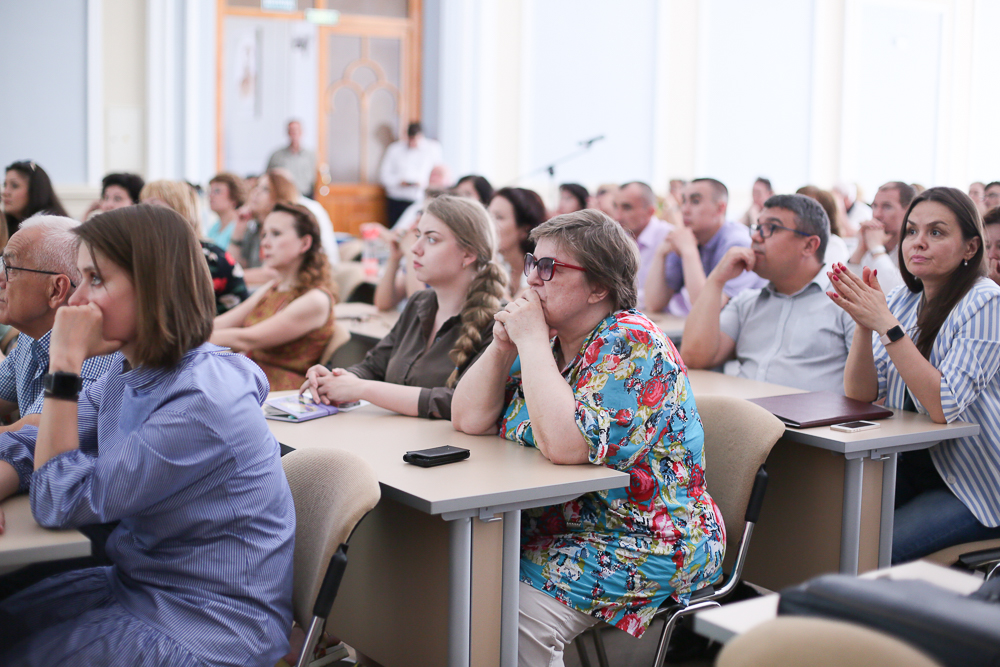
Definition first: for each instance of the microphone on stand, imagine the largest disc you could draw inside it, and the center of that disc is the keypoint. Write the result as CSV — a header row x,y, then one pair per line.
x,y
589,142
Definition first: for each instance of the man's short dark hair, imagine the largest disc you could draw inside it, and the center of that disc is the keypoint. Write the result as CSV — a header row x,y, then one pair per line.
x,y
992,216
766,182
990,185
719,190
413,129
905,191
809,217
648,196
131,183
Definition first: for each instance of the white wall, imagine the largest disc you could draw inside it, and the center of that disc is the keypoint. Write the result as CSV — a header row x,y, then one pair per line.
x,y
801,91
43,48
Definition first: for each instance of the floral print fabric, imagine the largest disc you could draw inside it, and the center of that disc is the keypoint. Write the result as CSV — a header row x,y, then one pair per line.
x,y
618,554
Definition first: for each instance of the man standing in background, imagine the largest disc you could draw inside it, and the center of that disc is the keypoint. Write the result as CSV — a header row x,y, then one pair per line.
x,y
406,170
300,161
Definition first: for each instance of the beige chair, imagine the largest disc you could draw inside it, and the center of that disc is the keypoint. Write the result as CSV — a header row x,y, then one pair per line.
x,y
348,276
340,336
738,437
798,641
332,491
982,556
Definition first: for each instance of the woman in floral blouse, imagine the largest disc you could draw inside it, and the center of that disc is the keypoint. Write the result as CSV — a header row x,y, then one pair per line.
x,y
575,371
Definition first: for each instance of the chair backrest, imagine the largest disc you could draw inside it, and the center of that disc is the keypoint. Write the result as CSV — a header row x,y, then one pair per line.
x,y
795,641
332,491
340,336
738,437
348,275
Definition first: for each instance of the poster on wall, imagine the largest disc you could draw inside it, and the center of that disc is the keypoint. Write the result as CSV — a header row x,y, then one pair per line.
x,y
246,71
270,69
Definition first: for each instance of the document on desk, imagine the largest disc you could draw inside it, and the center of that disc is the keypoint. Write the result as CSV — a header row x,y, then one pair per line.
x,y
296,408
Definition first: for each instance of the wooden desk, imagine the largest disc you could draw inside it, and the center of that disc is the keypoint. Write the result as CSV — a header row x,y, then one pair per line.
x,y
727,622
365,320
403,557
24,541
803,489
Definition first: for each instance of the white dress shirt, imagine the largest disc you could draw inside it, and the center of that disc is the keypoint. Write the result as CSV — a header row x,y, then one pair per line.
x,y
410,165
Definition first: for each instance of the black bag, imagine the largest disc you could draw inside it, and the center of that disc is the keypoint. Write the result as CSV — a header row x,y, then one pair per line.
x,y
956,630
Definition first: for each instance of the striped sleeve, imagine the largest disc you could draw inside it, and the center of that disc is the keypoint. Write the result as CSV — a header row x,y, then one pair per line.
x,y
972,361
164,455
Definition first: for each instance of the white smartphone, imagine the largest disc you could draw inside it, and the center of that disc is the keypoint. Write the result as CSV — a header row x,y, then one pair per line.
x,y
854,427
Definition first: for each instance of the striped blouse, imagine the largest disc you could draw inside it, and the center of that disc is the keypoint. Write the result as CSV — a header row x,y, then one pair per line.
x,y
203,553
967,353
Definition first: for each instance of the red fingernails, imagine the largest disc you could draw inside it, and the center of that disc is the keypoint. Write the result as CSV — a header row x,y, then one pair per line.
x,y
875,273
834,278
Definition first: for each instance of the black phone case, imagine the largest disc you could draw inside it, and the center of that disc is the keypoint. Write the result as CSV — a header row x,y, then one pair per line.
x,y
417,458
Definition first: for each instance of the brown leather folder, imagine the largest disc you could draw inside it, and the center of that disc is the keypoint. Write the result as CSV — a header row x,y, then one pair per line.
x,y
819,408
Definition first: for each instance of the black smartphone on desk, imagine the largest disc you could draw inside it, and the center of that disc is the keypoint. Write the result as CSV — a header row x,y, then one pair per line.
x,y
436,456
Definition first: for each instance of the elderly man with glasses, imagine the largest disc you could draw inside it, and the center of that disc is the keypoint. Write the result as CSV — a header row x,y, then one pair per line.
x,y
39,275
787,332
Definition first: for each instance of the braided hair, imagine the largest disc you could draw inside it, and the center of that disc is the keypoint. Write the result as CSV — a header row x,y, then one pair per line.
x,y
476,233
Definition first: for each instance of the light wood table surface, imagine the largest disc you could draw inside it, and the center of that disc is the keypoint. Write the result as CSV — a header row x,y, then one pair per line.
x,y
24,542
812,498
441,538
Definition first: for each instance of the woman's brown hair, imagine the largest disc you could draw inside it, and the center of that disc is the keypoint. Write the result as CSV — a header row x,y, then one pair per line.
x,y
934,312
475,232
158,249
602,247
315,269
237,190
828,203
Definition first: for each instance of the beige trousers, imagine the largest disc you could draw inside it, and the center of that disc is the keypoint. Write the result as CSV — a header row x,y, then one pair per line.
x,y
545,627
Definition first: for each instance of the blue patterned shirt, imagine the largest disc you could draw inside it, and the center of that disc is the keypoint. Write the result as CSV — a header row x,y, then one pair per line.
x,y
22,379
22,373
618,554
967,353
203,553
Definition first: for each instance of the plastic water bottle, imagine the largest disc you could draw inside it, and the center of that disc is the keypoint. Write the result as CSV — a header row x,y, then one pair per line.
x,y
370,252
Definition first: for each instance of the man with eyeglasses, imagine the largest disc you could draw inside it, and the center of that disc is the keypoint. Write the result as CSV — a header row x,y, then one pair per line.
x,y
991,198
38,276
788,332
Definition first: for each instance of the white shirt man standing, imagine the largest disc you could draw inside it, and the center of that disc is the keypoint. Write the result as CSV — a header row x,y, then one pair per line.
x,y
879,238
406,170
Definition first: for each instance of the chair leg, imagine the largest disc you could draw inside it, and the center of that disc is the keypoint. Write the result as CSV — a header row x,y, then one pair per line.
x,y
671,622
602,655
581,648
312,638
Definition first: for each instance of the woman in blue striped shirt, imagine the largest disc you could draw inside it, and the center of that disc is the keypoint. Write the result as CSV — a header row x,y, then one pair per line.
x,y
935,349
175,447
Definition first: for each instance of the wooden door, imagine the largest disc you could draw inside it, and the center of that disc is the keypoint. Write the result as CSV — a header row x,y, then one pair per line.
x,y
368,90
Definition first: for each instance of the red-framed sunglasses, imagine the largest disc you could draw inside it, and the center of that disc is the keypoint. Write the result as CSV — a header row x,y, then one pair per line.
x,y
546,266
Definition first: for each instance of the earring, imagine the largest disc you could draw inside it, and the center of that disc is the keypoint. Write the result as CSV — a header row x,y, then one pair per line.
x,y
965,262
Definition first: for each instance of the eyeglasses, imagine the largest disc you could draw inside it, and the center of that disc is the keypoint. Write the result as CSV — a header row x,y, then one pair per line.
x,y
546,266
8,268
766,230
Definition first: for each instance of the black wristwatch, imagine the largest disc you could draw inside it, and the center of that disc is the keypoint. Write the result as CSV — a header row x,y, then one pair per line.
x,y
892,335
63,386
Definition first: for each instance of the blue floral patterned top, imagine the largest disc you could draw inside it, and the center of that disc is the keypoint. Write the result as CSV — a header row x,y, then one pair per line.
x,y
619,554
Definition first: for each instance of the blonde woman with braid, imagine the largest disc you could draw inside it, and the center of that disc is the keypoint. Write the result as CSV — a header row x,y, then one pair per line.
x,y
443,329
